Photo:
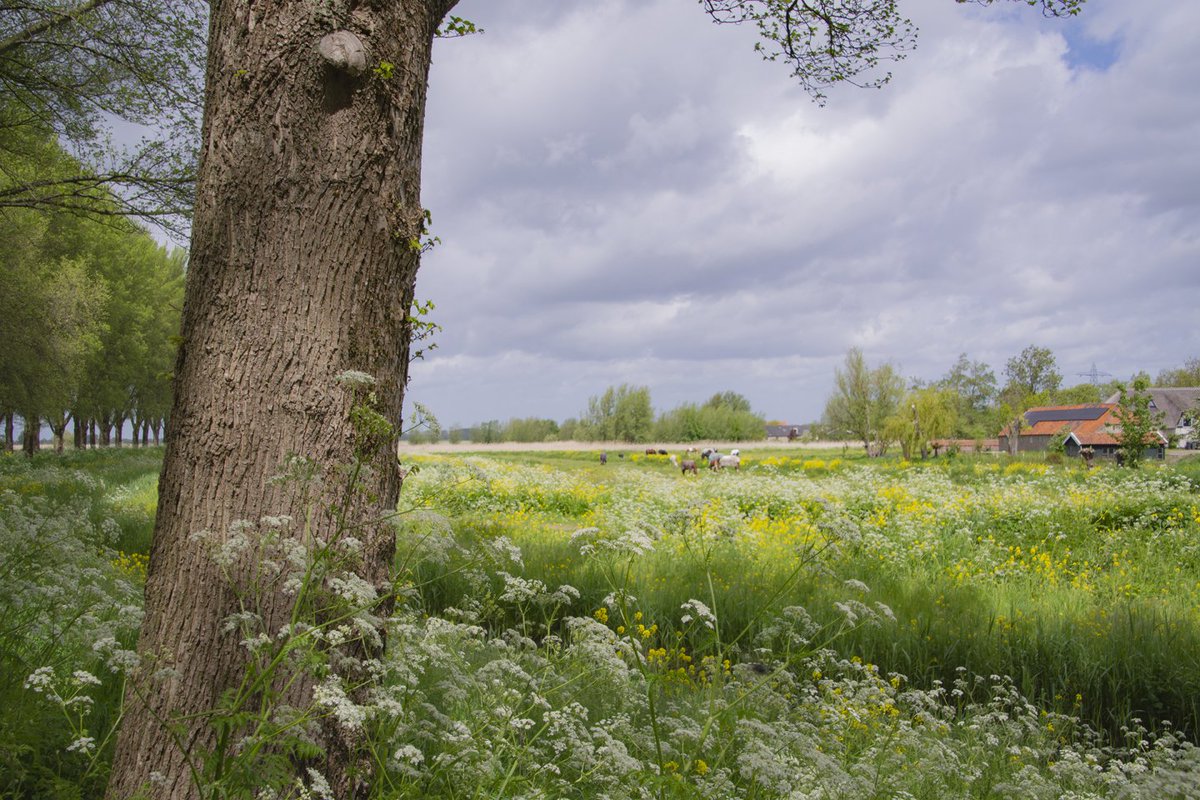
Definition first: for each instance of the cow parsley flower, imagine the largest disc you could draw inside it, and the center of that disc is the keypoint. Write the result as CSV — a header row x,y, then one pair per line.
x,y
354,379
330,695
699,612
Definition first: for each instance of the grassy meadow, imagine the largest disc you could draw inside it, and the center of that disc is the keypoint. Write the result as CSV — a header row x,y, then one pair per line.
x,y
812,626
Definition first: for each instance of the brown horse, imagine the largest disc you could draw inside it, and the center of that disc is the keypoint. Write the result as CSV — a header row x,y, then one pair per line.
x,y
686,466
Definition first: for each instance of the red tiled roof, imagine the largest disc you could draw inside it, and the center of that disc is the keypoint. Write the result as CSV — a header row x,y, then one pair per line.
x,y
1099,431
1050,426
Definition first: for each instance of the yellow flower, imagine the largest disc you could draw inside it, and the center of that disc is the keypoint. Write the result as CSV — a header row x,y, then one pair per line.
x,y
601,614
701,768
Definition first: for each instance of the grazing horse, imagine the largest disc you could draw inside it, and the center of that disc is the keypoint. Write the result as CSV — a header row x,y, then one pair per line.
x,y
650,451
724,462
688,465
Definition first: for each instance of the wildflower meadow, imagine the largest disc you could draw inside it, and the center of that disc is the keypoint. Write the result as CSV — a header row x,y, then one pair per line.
x,y
801,628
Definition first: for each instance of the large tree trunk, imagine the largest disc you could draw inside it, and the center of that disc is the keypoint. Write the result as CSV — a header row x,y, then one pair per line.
x,y
31,434
9,428
301,267
58,427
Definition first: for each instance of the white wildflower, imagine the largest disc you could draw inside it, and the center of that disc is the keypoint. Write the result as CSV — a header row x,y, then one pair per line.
x,y
410,755
699,612
354,589
84,744
319,785
40,680
330,695
520,590
354,379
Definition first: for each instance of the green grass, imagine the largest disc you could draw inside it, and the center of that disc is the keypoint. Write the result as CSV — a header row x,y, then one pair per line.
x,y
1100,622
1087,617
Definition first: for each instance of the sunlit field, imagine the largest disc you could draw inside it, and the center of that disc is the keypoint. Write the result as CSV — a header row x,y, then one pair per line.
x,y
811,626
1083,587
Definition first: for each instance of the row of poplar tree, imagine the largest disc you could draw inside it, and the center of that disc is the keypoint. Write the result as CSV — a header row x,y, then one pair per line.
x,y
89,314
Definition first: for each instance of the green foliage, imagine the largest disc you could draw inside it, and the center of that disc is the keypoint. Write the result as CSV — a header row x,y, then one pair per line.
x,y
974,384
454,27
89,313
568,430
730,401
1078,395
1071,582
923,416
486,432
1139,423
1186,375
733,631
384,70
862,399
623,413
420,330
529,429
824,43
1058,443
726,417
70,595
1031,372
71,69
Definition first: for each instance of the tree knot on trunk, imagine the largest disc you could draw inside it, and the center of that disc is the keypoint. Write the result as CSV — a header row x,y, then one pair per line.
x,y
344,51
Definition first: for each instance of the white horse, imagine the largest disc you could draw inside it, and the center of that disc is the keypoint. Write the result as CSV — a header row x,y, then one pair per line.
x,y
725,462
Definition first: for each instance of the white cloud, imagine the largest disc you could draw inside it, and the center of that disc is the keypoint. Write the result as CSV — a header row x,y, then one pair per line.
x,y
628,194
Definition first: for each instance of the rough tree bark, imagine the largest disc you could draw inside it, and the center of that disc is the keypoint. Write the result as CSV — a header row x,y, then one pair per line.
x,y
301,267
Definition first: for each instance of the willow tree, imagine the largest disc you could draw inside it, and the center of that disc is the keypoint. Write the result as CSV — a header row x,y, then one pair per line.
x,y
305,246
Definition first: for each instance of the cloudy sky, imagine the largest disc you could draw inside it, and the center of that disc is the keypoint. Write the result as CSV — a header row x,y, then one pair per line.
x,y
626,193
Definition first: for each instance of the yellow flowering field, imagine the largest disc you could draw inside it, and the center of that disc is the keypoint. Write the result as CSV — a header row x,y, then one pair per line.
x,y
1083,587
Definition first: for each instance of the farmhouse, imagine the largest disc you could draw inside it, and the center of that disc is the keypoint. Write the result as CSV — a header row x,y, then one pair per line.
x,y
1177,406
787,432
1092,425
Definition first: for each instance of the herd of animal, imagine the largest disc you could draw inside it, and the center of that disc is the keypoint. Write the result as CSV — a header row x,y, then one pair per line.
x,y
715,460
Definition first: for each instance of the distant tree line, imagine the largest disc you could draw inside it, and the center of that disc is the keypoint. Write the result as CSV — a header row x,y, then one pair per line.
x,y
876,406
623,414
89,314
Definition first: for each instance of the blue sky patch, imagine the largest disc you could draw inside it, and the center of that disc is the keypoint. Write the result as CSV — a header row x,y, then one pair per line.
x,y
1085,52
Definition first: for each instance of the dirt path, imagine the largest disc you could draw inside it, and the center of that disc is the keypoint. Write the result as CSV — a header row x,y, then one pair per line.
x,y
614,447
